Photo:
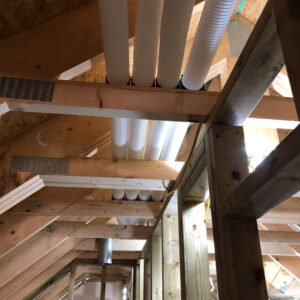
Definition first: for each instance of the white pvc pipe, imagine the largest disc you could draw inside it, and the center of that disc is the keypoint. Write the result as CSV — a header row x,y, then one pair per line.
x,y
137,137
154,146
215,17
147,29
146,40
114,27
174,27
172,144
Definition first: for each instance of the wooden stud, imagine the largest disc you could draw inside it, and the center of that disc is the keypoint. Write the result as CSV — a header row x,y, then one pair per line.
x,y
238,256
157,267
171,260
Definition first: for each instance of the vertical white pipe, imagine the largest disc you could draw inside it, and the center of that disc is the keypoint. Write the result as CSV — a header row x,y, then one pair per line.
x,y
147,29
114,27
174,27
215,17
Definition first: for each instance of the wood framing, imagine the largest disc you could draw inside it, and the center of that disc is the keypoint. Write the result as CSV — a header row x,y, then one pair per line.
x,y
237,248
102,100
275,179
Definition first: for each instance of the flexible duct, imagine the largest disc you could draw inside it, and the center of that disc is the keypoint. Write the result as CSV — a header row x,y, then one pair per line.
x,y
174,27
114,28
147,29
215,17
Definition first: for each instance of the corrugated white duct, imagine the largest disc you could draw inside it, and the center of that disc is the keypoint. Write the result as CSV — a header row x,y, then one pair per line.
x,y
174,27
114,27
215,17
147,29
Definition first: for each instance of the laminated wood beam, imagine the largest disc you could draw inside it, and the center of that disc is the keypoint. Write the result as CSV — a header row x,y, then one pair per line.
x,y
274,180
24,279
238,255
96,167
101,231
87,208
38,182
102,100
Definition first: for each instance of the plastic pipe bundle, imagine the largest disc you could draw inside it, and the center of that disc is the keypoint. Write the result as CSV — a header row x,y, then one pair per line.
x,y
147,29
114,27
174,27
215,17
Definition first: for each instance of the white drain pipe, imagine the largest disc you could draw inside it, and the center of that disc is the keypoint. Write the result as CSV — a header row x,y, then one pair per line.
x,y
172,144
154,146
174,27
114,28
215,17
147,29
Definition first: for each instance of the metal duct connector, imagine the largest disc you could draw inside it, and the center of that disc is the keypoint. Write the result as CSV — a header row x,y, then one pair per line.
x,y
104,251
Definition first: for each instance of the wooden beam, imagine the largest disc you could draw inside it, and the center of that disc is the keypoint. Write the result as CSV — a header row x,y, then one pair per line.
x,y
25,279
238,255
97,167
38,182
117,255
34,283
193,250
71,282
147,271
101,231
102,100
274,180
258,65
14,231
103,285
274,237
287,18
118,245
157,271
22,257
171,260
88,208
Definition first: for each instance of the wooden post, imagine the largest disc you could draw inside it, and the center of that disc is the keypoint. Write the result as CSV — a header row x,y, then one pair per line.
x,y
157,267
147,273
142,263
238,256
71,282
193,251
171,262
103,285
137,283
